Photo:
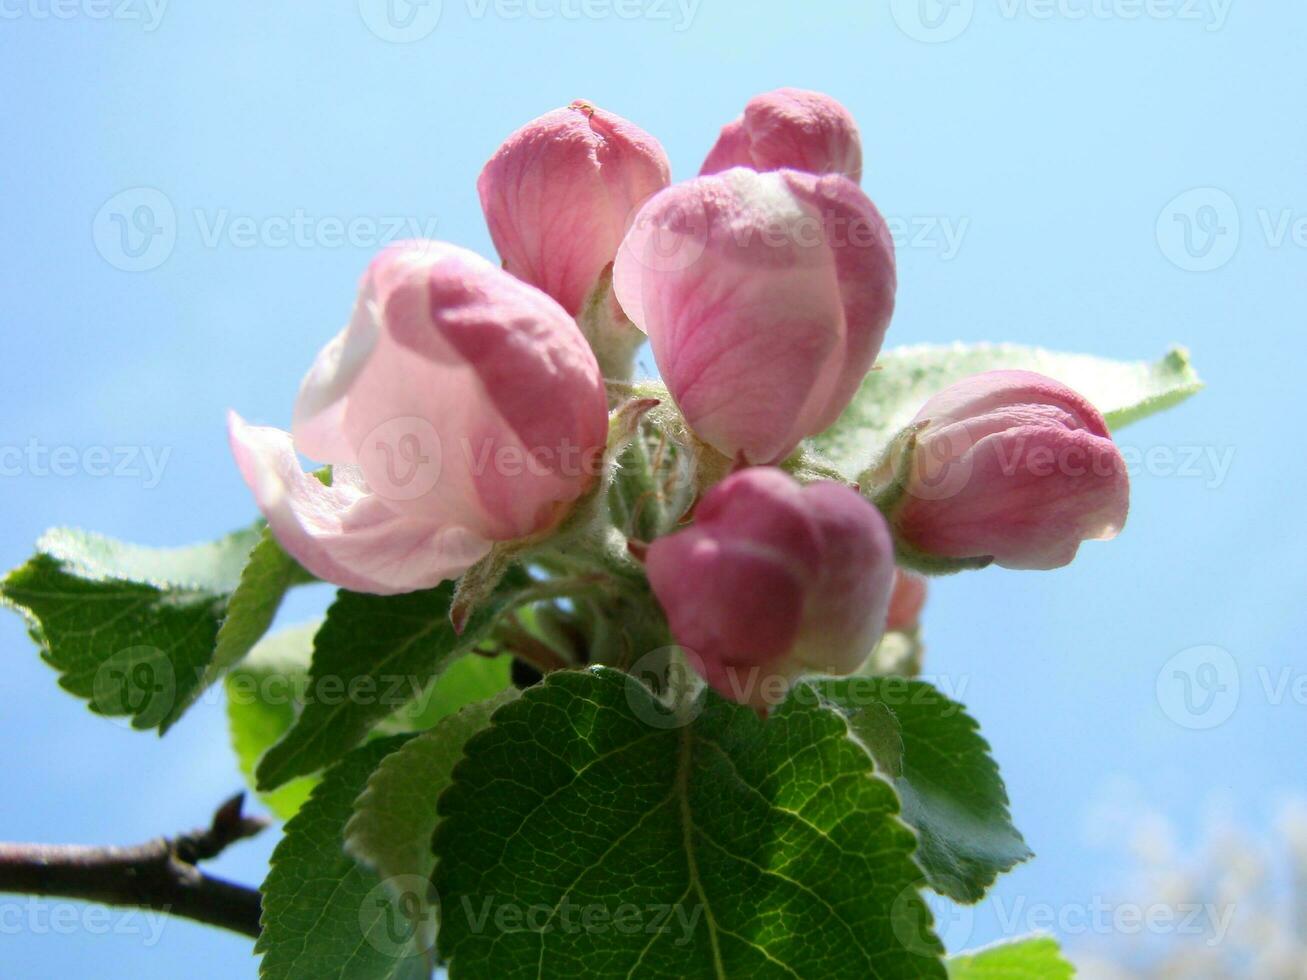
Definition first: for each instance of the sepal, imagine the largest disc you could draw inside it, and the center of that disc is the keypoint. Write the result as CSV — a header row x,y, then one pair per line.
x,y
885,484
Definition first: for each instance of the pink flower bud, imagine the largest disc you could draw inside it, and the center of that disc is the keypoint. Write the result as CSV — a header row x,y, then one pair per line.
x,y
772,580
459,407
1010,466
790,128
765,297
560,192
906,603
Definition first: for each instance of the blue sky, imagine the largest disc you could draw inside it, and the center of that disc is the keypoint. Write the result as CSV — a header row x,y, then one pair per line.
x,y
1103,175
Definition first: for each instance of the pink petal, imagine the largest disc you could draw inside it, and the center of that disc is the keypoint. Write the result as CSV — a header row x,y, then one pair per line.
x,y
790,129
484,382
559,193
765,297
342,533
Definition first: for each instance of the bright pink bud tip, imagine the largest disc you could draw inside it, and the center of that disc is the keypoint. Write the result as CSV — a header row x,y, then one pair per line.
x,y
906,603
1014,466
790,128
560,192
766,297
459,407
772,580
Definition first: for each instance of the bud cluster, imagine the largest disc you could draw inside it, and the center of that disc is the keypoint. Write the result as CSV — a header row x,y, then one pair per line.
x,y
464,409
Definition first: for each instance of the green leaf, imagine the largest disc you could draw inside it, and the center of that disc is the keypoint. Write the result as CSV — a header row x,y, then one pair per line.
x,y
950,786
373,655
904,378
268,574
324,916
264,696
1033,958
395,816
132,630
876,725
586,834
465,681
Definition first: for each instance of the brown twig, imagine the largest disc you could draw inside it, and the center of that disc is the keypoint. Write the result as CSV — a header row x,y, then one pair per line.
x,y
518,640
160,874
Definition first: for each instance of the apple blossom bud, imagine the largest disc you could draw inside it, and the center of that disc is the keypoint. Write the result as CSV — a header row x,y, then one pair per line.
x,y
766,297
559,193
790,128
1007,466
906,602
774,579
459,408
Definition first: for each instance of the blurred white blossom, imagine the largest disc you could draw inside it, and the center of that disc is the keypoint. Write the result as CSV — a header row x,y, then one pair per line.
x,y
1255,886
